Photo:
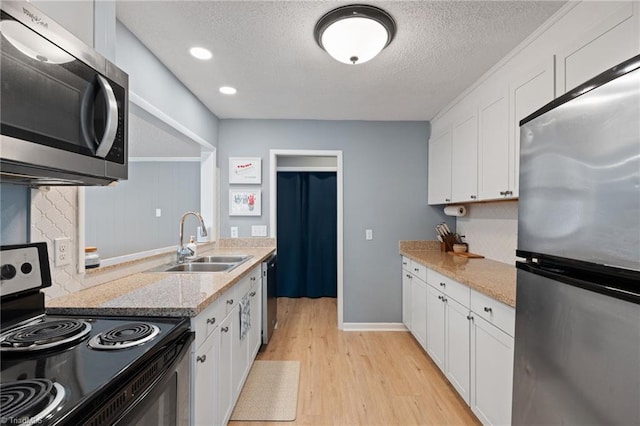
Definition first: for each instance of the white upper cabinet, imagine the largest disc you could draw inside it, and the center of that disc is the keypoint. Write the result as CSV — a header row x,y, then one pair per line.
x,y
440,168
493,146
528,92
614,39
475,152
464,155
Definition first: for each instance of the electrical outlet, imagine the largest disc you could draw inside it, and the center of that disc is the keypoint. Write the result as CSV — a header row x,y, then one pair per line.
x,y
368,234
234,232
158,212
62,250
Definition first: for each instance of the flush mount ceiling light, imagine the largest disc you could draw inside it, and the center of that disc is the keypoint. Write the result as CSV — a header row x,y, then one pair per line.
x,y
200,53
356,33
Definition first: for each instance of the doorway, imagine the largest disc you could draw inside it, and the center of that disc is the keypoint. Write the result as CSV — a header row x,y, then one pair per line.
x,y
307,234
312,161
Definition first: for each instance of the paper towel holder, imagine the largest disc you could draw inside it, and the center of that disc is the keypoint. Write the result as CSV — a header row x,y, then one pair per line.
x,y
457,211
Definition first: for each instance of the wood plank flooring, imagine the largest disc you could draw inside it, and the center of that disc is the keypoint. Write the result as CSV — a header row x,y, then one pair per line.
x,y
359,378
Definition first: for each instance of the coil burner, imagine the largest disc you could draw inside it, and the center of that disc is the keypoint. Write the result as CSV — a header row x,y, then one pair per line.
x,y
124,336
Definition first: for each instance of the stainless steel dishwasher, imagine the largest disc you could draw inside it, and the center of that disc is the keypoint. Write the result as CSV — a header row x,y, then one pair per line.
x,y
269,301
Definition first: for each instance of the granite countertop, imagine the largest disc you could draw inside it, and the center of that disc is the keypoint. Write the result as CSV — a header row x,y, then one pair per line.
x,y
159,293
492,278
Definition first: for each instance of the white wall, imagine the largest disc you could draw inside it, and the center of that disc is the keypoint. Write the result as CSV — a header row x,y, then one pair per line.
x,y
491,229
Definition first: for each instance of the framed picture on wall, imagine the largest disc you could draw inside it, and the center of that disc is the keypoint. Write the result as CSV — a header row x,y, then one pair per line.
x,y
245,170
245,202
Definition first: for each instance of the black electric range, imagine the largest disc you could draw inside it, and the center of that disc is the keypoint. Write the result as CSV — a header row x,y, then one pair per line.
x,y
74,370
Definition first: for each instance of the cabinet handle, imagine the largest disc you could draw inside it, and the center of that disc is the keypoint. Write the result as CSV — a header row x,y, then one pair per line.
x,y
443,285
405,263
202,358
473,197
444,299
487,309
409,276
416,269
509,192
469,317
440,297
503,192
447,199
253,293
211,320
230,302
224,329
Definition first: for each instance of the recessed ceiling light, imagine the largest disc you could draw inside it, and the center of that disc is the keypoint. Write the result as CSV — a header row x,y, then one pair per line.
x,y
200,53
228,90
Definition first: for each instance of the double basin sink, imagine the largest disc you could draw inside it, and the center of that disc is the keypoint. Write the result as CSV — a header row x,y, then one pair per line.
x,y
219,263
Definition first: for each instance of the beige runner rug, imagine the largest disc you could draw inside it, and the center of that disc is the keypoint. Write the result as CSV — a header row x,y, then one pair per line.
x,y
270,392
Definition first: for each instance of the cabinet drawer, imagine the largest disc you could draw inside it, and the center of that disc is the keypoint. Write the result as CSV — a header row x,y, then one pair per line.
x,y
406,263
451,288
497,313
419,270
208,320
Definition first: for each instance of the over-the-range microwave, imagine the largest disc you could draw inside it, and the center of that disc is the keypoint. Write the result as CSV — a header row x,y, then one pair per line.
x,y
63,107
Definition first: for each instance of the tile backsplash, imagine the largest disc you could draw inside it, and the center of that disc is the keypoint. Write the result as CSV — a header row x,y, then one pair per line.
x,y
54,214
491,229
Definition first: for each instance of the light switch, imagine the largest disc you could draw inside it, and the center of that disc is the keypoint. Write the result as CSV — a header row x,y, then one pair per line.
x,y
259,230
368,234
158,212
234,232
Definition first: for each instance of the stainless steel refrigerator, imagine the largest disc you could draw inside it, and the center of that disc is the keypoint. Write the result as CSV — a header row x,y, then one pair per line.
x,y
577,337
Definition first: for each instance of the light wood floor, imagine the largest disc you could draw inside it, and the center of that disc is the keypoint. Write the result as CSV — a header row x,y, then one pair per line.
x,y
359,378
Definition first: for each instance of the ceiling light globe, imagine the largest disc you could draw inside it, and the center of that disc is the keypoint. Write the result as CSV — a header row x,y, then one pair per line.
x,y
354,40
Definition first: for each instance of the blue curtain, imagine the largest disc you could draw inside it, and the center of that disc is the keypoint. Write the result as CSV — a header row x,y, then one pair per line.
x,y
307,234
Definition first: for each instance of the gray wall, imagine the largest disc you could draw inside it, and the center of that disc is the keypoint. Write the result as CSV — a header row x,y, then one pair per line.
x,y
15,201
121,220
385,189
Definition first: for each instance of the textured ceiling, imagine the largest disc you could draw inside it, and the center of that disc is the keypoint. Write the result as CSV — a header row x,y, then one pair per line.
x,y
266,49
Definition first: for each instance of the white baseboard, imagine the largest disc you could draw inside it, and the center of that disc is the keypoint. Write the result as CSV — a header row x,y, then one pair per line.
x,y
374,326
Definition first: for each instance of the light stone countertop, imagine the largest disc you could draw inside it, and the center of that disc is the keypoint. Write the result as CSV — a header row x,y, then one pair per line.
x,y
160,294
492,278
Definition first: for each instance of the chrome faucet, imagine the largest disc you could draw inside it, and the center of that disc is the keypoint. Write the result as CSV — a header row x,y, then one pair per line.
x,y
182,250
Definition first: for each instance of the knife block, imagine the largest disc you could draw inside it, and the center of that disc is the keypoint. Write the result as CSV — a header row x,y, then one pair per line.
x,y
449,241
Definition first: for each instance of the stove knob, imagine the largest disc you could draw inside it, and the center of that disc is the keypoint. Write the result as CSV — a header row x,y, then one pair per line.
x,y
26,268
7,272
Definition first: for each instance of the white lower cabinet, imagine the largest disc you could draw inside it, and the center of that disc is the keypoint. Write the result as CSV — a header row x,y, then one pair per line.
x,y
491,373
435,326
469,336
419,310
221,359
457,346
406,299
205,380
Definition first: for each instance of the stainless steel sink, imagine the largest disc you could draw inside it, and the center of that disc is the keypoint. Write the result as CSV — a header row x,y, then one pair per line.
x,y
219,263
201,267
232,258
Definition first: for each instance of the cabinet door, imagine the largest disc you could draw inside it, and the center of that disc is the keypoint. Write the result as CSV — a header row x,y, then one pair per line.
x,y
528,92
613,40
419,310
493,147
225,364
206,380
435,326
406,299
464,158
491,373
239,350
457,347
439,184
255,333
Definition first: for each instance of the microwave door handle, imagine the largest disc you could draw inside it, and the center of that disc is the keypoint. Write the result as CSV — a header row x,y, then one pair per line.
x,y
112,118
